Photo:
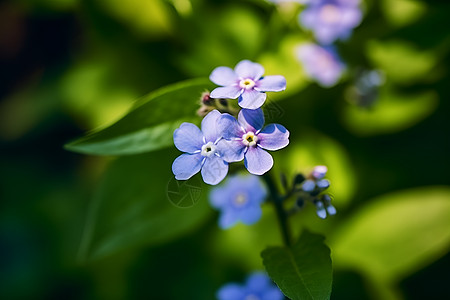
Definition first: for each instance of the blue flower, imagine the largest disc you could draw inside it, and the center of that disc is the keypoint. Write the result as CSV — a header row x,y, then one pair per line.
x,y
257,287
202,151
320,63
245,138
239,199
331,19
245,82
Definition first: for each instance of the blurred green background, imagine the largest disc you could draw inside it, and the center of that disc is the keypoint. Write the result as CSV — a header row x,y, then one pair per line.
x,y
76,226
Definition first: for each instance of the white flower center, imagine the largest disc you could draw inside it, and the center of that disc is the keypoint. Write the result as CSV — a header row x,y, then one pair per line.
x,y
247,84
240,200
330,13
249,139
208,149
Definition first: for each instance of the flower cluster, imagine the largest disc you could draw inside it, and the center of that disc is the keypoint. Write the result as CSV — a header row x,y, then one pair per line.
x,y
257,286
331,20
224,139
312,189
238,199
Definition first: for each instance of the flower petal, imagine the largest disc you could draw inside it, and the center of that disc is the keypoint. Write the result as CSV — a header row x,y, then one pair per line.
x,y
275,83
188,138
227,92
214,170
187,165
223,76
251,119
258,281
228,219
218,197
247,69
273,137
229,127
257,161
273,293
251,215
209,126
231,291
231,151
251,99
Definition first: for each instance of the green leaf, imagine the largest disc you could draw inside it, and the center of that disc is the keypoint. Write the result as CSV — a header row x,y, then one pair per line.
x,y
149,125
136,205
395,234
302,271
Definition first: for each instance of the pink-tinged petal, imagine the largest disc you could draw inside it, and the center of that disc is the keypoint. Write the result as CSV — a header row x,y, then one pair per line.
x,y
252,99
275,83
223,76
229,127
273,137
188,138
214,170
257,161
187,165
227,92
249,70
251,119
231,151
351,17
251,215
210,127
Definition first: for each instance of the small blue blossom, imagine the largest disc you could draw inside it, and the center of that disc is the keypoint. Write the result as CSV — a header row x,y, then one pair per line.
x,y
257,287
320,63
312,189
331,19
203,151
245,138
245,82
239,199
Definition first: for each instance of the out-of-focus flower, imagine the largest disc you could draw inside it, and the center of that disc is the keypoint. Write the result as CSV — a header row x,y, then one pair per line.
x,y
257,287
245,82
331,19
202,151
320,63
238,199
245,138
365,90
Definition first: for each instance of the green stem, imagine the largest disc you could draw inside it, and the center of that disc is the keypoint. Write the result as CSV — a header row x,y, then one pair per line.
x,y
277,200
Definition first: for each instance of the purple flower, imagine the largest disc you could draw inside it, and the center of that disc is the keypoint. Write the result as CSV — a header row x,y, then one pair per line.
x,y
239,199
246,138
331,19
245,82
257,287
320,63
202,151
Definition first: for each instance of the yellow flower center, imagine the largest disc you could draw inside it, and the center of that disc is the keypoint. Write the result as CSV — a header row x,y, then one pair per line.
x,y
249,139
247,84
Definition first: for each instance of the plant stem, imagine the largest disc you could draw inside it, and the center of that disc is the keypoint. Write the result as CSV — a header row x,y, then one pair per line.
x,y
277,200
